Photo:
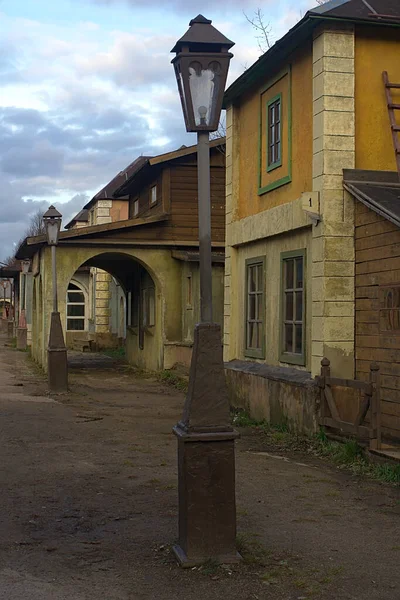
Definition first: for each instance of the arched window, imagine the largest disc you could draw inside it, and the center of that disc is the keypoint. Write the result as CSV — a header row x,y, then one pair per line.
x,y
75,308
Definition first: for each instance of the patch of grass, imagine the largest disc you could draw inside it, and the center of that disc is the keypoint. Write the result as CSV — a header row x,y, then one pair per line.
x,y
347,454
210,567
252,552
173,379
240,418
117,353
352,456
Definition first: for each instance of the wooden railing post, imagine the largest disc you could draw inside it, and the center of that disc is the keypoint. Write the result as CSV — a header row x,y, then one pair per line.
x,y
325,372
375,380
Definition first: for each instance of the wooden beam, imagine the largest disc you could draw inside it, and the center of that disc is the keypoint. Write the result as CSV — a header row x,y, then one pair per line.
x,y
331,403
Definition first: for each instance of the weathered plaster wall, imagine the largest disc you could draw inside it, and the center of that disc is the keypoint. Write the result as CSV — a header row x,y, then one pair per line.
x,y
271,249
246,149
375,52
333,238
166,273
279,396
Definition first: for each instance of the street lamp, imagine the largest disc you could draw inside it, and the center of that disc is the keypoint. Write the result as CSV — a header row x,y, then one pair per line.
x,y
206,449
22,331
56,351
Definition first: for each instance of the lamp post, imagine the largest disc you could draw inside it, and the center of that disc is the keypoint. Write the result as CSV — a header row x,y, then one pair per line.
x,y
206,449
56,351
22,330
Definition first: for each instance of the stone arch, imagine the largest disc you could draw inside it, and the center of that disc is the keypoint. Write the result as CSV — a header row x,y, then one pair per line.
x,y
118,261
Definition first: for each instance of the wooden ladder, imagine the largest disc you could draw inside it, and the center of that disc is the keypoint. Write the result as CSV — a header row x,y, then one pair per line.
x,y
392,106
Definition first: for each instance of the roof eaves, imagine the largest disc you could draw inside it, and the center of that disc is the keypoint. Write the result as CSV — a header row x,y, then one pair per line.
x,y
282,48
277,52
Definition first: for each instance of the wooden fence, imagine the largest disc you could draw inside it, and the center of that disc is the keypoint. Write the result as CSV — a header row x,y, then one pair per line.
x,y
370,403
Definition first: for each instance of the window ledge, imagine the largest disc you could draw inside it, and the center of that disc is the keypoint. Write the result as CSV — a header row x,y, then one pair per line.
x,y
285,374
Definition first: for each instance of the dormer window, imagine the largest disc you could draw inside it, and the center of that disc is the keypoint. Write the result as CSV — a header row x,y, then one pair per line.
x,y
153,195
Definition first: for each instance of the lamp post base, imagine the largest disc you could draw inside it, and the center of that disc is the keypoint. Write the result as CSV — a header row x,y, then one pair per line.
x,y
206,459
57,361
22,338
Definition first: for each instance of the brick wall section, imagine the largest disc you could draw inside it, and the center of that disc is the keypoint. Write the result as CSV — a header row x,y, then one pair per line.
x,y
333,238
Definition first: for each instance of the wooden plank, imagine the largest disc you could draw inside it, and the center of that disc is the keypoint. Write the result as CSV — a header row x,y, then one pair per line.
x,y
391,382
361,208
331,402
362,413
390,421
378,354
390,395
378,341
390,408
367,328
378,278
371,291
345,427
375,229
351,383
367,218
370,254
367,304
377,266
386,368
367,316
378,241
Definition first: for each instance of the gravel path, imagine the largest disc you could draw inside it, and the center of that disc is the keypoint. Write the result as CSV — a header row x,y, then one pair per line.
x,y
89,503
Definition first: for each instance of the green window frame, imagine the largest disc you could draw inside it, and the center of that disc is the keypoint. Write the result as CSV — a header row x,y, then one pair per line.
x,y
255,307
293,307
274,133
286,140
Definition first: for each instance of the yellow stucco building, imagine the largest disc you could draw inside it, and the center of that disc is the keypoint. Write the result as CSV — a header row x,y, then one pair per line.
x,y
312,106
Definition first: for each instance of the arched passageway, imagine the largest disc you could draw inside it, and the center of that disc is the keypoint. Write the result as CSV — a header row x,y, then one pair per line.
x,y
111,301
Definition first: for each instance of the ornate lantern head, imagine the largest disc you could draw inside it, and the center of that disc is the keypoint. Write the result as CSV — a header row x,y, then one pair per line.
x,y
201,68
52,222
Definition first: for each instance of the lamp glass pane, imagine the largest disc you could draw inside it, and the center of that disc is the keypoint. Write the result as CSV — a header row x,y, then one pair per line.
x,y
204,85
52,228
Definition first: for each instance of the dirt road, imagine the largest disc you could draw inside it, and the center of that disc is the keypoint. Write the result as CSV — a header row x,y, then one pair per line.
x,y
89,503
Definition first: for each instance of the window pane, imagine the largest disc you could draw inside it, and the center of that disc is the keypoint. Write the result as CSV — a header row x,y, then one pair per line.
x,y
259,307
252,279
153,194
76,310
299,272
72,286
259,335
299,306
289,273
253,335
289,306
299,339
259,278
76,297
75,324
289,338
252,307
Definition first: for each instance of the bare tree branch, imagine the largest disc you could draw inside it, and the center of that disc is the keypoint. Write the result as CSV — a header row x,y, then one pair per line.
x,y
262,30
35,227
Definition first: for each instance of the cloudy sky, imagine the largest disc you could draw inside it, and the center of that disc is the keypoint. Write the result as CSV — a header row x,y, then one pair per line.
x,y
86,86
